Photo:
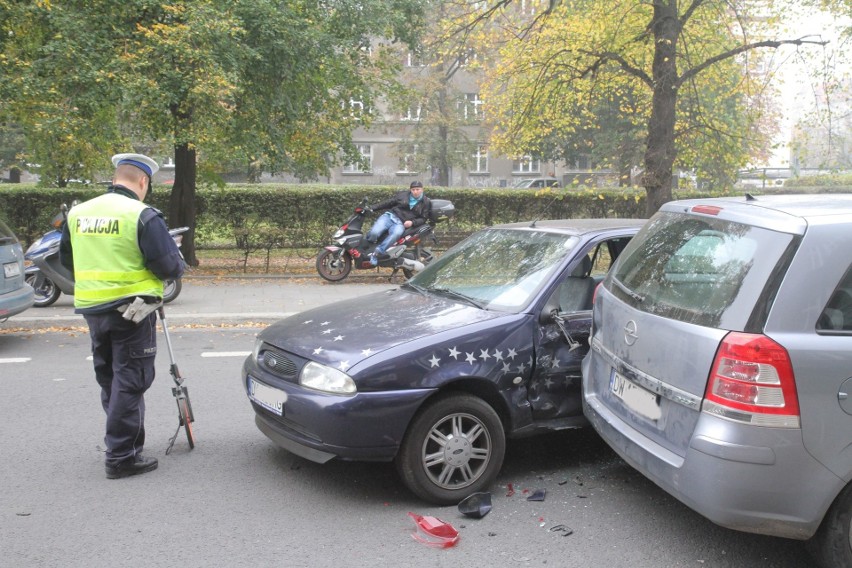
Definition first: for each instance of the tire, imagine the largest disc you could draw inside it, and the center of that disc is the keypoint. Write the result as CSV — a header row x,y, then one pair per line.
x,y
46,294
171,290
186,418
832,544
454,447
334,266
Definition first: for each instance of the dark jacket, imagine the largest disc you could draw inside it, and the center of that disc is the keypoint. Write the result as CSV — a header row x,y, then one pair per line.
x,y
398,204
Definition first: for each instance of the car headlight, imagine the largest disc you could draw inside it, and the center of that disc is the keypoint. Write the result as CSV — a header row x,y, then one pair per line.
x,y
325,379
258,343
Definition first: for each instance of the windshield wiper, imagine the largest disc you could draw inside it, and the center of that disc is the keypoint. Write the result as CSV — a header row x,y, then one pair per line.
x,y
638,297
459,296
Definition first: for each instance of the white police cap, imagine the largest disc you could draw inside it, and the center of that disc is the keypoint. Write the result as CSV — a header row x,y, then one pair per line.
x,y
144,163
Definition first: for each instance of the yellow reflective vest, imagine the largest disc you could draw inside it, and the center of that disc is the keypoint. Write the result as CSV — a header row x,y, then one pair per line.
x,y
108,264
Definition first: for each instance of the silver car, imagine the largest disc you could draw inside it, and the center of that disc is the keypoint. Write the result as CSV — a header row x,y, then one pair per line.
x,y
720,363
15,295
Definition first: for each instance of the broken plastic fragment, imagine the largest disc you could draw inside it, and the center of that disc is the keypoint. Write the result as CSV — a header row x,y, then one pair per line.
x,y
561,529
510,490
538,495
435,532
476,506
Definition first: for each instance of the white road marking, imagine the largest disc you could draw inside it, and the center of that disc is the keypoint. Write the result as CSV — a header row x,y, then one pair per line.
x,y
16,360
226,353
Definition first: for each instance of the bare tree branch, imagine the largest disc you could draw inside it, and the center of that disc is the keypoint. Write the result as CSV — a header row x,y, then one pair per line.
x,y
689,74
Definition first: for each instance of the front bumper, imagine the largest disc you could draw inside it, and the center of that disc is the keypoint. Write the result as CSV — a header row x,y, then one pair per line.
x,y
765,482
319,426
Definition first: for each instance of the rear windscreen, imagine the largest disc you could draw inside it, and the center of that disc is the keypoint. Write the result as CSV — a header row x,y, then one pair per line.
x,y
700,270
6,235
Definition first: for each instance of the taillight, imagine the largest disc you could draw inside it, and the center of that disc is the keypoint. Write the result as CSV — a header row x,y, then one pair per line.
x,y
752,382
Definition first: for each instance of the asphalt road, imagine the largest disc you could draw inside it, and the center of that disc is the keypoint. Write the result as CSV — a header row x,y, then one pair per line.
x,y
237,500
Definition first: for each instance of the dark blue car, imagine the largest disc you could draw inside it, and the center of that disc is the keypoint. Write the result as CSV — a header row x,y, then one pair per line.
x,y
485,343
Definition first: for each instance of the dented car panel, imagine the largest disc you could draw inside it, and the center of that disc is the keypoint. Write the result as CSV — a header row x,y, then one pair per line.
x,y
488,338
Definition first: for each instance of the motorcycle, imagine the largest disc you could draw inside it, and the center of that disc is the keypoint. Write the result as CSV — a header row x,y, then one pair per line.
x,y
335,262
49,277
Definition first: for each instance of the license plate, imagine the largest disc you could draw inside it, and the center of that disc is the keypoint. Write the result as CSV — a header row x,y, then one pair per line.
x,y
270,398
634,397
11,269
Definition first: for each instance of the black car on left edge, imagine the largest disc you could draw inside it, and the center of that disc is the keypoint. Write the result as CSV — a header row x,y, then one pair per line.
x,y
485,343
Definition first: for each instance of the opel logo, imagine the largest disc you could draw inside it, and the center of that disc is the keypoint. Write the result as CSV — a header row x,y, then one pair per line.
x,y
630,335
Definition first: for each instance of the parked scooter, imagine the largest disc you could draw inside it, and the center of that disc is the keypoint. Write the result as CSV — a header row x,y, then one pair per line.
x,y
335,262
49,278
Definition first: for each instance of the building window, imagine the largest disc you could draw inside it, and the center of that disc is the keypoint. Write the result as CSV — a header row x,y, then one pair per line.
x,y
366,152
356,108
407,158
414,113
414,59
479,162
467,57
526,165
470,107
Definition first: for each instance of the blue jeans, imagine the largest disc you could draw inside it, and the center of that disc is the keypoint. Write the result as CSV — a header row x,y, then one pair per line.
x,y
386,222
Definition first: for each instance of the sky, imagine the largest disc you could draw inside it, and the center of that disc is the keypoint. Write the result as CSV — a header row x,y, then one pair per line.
x,y
794,73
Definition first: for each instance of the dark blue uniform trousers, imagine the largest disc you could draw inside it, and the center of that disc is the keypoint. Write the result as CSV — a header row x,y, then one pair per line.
x,y
123,354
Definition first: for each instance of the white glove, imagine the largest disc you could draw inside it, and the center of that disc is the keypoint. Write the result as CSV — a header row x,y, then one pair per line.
x,y
138,309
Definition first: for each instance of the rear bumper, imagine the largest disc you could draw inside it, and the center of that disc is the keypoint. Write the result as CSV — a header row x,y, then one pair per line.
x,y
16,301
766,483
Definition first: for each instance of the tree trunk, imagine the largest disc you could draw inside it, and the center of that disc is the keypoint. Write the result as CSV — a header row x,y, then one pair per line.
x,y
182,200
660,152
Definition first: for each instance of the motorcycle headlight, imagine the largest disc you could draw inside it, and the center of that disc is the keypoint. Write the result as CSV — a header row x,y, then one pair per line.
x,y
325,379
36,244
338,233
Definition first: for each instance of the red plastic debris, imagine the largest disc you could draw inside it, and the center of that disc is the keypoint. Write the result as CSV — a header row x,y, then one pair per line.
x,y
511,490
435,532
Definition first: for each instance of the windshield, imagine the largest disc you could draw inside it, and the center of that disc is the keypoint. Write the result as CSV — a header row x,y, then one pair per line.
x,y
497,269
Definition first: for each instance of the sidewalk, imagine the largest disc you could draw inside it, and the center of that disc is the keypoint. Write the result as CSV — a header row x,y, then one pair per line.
x,y
223,300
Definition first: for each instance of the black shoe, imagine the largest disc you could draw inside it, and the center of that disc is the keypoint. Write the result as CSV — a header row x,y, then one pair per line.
x,y
139,464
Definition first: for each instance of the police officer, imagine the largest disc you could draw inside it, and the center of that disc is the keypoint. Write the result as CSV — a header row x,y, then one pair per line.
x,y
120,252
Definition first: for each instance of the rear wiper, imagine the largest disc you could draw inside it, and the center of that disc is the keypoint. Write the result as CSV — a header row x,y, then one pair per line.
x,y
459,296
638,297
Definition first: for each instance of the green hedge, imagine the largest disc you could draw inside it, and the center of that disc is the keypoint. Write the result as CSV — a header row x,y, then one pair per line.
x,y
825,182
280,215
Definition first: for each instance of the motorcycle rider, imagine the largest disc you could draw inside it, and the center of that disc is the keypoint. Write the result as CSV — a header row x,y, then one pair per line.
x,y
406,209
120,251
